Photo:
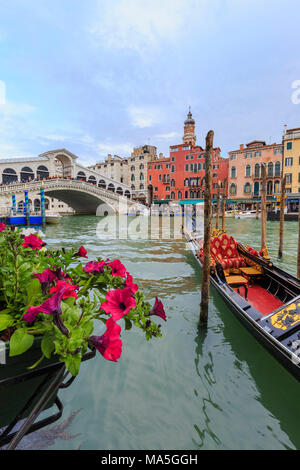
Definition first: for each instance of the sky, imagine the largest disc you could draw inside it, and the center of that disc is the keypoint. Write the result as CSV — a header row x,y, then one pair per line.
x,y
104,76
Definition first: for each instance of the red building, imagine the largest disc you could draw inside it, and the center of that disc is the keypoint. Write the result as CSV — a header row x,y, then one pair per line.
x,y
180,177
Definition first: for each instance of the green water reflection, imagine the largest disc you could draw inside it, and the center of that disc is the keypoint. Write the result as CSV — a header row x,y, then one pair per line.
x,y
215,390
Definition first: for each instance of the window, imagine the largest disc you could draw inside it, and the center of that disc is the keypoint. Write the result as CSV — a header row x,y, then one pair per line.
x,y
257,154
247,188
141,166
298,177
277,187
277,169
187,167
233,172
172,168
179,195
150,178
289,145
186,148
248,170
270,188
232,189
192,157
289,161
248,155
276,151
192,167
159,177
172,183
256,170
186,182
173,159
172,195
175,149
141,176
199,166
187,157
156,188
233,156
288,178
150,167
270,169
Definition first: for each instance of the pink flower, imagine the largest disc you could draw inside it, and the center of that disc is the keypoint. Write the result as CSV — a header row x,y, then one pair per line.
x,y
34,242
131,285
110,343
69,289
118,303
94,267
81,252
47,276
117,268
158,310
2,226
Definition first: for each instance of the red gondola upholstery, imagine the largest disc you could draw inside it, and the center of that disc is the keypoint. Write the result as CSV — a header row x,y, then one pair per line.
x,y
223,249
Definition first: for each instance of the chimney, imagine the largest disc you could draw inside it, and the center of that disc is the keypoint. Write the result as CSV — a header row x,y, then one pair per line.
x,y
161,155
109,157
241,146
284,129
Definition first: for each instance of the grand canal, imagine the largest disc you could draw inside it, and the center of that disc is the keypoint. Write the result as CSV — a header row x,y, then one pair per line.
x,y
215,390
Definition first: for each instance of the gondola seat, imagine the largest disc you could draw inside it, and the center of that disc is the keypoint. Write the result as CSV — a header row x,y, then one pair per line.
x,y
224,250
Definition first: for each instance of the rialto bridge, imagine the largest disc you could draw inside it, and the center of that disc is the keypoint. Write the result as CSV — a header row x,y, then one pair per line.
x,y
82,189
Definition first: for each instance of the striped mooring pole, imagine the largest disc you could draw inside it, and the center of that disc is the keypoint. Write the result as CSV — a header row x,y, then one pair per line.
x,y
43,214
14,204
26,207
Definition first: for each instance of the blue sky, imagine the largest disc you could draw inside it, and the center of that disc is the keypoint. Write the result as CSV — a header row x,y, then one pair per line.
x,y
101,76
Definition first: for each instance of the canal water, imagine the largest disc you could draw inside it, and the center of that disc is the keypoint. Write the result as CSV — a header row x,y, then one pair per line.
x,y
217,389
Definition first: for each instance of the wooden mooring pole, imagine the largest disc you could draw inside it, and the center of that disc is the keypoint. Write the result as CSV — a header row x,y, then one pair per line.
x,y
207,231
218,206
224,204
263,206
281,223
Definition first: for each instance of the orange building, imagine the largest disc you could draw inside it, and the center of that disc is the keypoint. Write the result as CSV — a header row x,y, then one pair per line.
x,y
245,171
180,177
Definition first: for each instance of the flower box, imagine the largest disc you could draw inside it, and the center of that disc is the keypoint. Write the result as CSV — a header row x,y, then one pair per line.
x,y
18,383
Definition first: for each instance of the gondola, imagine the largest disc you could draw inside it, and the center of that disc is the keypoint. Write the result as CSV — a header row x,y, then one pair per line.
x,y
262,296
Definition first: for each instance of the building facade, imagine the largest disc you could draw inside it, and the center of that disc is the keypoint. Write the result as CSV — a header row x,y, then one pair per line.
x,y
113,167
138,170
181,176
244,184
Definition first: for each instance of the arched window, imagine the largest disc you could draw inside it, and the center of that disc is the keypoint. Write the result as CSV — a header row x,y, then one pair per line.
x,y
119,191
92,179
179,195
9,176
37,205
132,168
247,188
26,174
232,189
102,184
270,188
172,183
270,169
141,186
192,194
233,172
256,170
186,182
141,176
47,204
111,187
277,169
186,195
277,187
133,187
42,172
132,178
81,176
20,206
248,170
127,193
141,166
172,195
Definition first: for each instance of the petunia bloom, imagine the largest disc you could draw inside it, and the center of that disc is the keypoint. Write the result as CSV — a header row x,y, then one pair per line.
x,y
94,267
158,310
118,303
45,278
2,226
117,268
110,343
69,289
131,285
34,242
81,252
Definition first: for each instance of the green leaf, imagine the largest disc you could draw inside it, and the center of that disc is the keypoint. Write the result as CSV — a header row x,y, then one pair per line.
x,y
73,363
33,291
47,346
128,324
5,321
20,342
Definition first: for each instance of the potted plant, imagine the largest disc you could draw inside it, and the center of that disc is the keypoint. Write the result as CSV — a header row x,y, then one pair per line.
x,y
50,303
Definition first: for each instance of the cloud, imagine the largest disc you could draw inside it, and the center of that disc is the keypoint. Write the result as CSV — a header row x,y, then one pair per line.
x,y
167,136
147,116
141,25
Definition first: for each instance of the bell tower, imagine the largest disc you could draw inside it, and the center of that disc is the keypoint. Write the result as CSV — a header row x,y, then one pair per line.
x,y
189,129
